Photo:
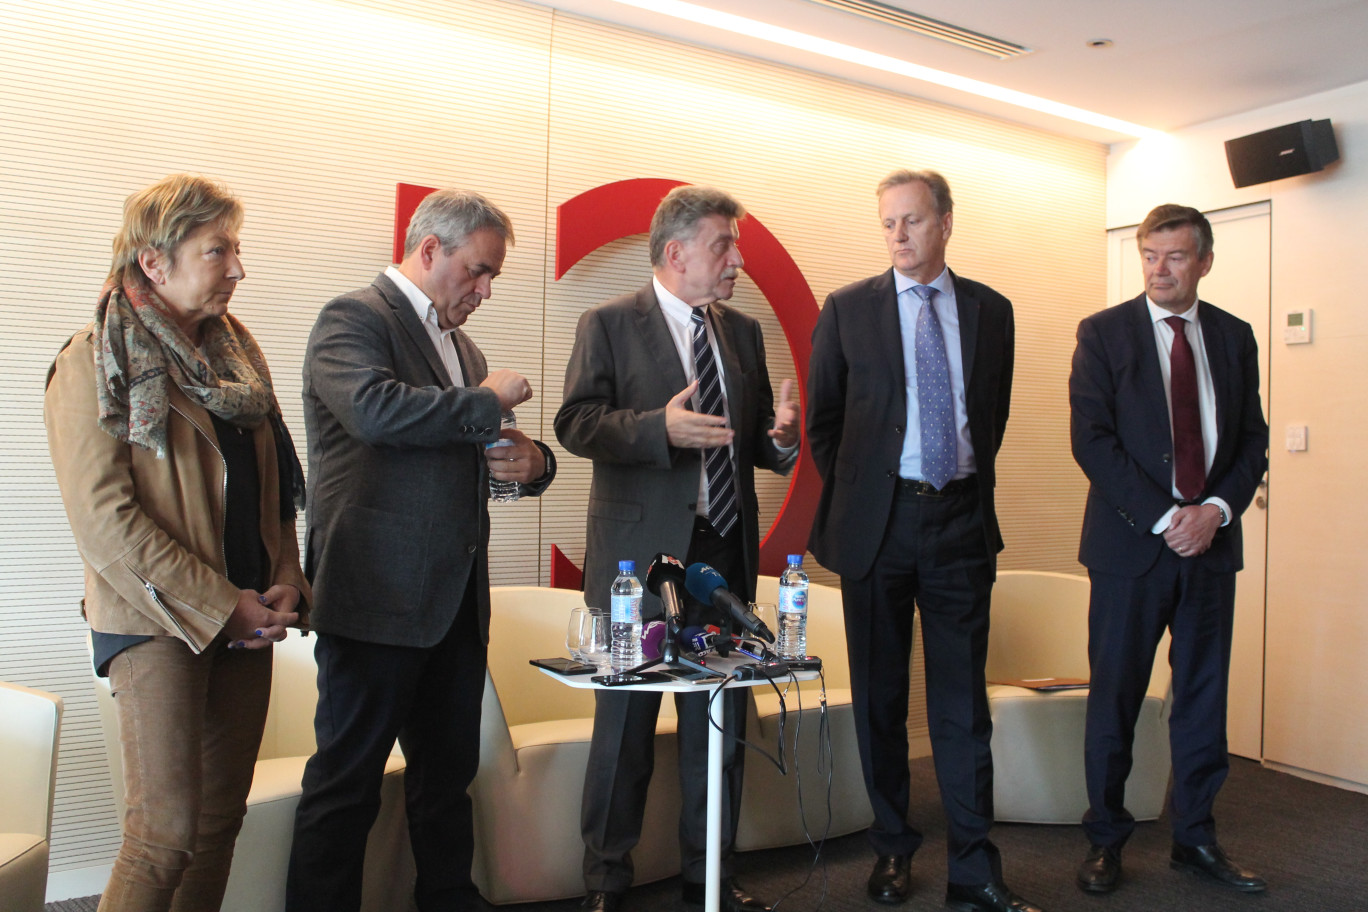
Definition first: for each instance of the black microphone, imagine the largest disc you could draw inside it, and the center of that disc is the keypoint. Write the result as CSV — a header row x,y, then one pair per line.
x,y
663,579
707,585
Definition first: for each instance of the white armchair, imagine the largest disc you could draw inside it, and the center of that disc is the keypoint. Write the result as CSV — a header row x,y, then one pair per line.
x,y
1040,629
261,856
770,814
30,722
534,748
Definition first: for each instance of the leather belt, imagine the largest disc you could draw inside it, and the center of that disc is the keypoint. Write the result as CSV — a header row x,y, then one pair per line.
x,y
952,488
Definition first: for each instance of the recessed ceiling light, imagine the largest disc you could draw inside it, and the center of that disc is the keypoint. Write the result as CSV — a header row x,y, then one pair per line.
x,y
931,28
1100,43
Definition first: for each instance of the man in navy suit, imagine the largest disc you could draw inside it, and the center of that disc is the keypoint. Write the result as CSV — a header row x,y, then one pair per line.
x,y
1168,427
908,392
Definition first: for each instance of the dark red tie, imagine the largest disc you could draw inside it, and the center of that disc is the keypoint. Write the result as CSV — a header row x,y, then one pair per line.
x,y
1189,460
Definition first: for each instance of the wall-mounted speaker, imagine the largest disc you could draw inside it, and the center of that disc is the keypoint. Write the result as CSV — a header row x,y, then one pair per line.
x,y
1297,148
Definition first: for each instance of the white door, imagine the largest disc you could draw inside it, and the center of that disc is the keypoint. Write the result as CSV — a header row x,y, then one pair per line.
x,y
1238,282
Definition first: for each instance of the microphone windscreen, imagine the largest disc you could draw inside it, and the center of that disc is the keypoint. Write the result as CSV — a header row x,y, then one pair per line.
x,y
688,633
652,639
702,580
664,569
695,638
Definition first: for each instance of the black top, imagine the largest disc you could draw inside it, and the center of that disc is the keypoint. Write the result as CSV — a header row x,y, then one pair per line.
x,y
243,550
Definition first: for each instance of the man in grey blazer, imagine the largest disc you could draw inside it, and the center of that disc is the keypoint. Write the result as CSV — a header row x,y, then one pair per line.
x,y
399,407
671,477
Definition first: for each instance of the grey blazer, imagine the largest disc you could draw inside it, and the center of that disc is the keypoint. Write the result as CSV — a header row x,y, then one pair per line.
x,y
397,478
644,493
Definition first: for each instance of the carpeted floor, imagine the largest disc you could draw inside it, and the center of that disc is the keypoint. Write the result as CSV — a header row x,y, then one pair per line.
x,y
1310,841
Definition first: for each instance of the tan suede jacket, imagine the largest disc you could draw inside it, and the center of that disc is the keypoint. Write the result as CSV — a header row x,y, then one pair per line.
x,y
150,531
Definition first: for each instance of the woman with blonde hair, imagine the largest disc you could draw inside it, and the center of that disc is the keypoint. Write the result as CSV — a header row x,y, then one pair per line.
x,y
181,485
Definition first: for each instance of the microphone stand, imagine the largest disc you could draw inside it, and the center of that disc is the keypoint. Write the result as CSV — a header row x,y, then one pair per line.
x,y
725,643
670,655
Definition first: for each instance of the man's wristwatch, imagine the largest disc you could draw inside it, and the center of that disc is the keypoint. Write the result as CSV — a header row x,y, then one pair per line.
x,y
1225,519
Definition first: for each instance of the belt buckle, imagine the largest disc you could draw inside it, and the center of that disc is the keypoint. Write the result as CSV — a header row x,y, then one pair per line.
x,y
919,487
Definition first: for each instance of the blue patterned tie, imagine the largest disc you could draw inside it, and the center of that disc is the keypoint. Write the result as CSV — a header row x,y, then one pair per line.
x,y
717,460
934,395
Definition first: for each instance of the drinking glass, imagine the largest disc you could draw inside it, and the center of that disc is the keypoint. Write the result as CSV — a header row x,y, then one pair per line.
x,y
768,612
596,638
575,633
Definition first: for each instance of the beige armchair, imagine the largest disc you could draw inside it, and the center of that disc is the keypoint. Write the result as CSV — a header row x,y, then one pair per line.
x,y
260,859
1040,629
770,813
534,748
30,723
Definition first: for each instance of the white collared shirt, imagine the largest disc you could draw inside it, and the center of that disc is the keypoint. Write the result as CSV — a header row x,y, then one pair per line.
x,y
1206,394
442,339
947,313
679,320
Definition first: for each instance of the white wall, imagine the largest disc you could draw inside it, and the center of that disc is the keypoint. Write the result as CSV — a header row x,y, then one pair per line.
x,y
1316,661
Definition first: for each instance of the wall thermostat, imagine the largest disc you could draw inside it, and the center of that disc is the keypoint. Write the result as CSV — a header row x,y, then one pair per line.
x,y
1297,329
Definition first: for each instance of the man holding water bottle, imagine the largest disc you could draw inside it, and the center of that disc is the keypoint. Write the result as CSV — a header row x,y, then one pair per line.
x,y
399,405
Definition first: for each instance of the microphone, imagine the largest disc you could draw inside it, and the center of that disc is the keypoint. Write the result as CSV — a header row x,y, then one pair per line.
x,y
652,633
664,578
707,585
699,639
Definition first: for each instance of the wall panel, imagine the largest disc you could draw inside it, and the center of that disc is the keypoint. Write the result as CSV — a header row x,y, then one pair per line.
x,y
311,111
1315,679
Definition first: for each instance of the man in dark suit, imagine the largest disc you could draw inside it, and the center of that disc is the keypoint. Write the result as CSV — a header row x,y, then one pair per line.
x,y
1168,427
399,407
908,392
671,475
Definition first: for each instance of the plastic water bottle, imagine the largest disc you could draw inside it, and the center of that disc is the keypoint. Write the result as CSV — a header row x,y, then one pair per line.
x,y
503,491
626,618
793,597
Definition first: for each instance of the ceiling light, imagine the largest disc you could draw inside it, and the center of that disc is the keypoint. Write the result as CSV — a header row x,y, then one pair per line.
x,y
740,25
928,27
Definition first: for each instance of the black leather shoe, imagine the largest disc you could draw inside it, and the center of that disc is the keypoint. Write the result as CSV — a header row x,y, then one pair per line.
x,y
990,897
1211,860
734,899
891,880
1100,872
601,901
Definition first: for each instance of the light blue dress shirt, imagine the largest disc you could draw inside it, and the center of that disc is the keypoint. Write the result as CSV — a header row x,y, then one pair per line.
x,y
947,313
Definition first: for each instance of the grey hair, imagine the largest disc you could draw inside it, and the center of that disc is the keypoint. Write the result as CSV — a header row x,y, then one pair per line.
x,y
938,185
678,215
452,216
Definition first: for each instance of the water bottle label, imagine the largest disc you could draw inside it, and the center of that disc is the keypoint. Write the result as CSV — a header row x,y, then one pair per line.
x,y
792,599
622,609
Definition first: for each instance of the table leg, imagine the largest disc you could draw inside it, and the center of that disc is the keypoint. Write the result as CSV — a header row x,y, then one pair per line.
x,y
713,879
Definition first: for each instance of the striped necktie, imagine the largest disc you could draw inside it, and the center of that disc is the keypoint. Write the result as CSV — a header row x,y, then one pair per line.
x,y
934,397
722,511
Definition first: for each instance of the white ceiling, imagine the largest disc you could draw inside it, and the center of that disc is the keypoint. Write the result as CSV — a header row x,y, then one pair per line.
x,y
1173,62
